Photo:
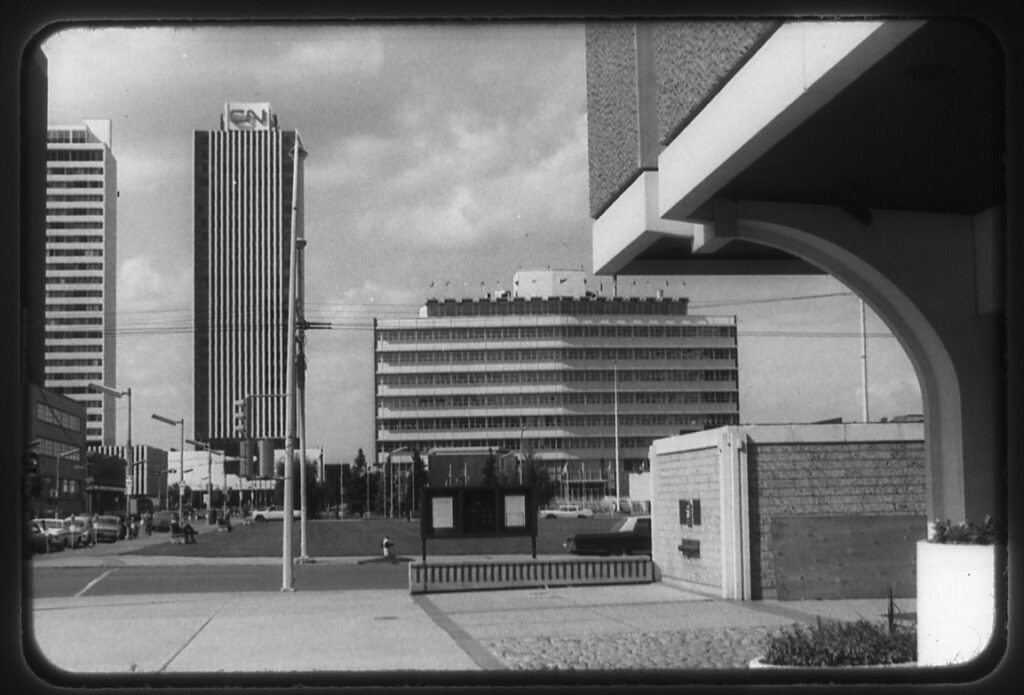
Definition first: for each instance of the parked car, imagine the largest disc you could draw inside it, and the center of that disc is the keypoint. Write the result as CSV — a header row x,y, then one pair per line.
x,y
566,511
82,531
162,520
272,513
58,530
108,529
631,535
39,541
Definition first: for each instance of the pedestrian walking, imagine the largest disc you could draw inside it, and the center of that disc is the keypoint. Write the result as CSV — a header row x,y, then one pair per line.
x,y
386,546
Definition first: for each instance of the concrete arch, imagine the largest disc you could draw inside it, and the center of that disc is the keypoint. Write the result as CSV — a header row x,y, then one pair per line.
x,y
920,304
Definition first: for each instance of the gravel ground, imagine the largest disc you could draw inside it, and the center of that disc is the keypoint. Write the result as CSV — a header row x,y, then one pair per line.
x,y
726,648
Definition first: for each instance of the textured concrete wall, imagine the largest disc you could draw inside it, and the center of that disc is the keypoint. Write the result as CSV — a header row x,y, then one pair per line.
x,y
692,60
613,131
867,478
693,474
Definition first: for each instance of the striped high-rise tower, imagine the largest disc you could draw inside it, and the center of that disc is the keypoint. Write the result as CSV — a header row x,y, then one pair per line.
x,y
247,183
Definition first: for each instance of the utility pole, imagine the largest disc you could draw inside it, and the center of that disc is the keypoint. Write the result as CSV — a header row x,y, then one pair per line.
x,y
864,358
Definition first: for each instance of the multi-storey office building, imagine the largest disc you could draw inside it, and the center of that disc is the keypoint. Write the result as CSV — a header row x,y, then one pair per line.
x,y
247,181
554,377
57,429
81,269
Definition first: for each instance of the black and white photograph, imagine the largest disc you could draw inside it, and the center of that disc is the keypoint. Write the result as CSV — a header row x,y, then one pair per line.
x,y
516,350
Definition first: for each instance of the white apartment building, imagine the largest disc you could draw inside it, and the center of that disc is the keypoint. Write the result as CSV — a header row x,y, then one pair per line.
x,y
81,269
576,381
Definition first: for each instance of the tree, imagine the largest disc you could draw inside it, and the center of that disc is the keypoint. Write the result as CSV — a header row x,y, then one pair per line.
x,y
355,486
536,476
490,471
417,481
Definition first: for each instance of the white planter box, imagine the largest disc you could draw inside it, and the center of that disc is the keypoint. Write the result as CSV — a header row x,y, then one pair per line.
x,y
955,601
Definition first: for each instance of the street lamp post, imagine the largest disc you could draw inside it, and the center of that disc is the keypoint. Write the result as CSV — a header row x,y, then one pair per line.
x,y
129,468
181,469
209,475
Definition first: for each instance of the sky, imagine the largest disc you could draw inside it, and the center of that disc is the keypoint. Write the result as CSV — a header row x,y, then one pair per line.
x,y
452,154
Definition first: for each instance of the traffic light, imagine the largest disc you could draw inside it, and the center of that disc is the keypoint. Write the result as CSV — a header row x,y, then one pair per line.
x,y
33,481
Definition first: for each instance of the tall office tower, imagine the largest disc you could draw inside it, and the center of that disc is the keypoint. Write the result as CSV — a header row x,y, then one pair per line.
x,y
81,269
555,372
247,182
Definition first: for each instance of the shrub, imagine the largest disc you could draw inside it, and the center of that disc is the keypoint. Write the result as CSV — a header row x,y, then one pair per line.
x,y
968,533
835,643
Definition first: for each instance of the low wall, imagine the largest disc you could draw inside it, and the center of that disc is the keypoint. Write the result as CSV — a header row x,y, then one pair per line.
x,y
514,573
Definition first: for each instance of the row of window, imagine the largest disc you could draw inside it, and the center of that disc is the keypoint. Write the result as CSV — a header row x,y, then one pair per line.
x,y
606,376
74,253
75,307
514,400
74,239
74,155
548,332
514,422
75,184
74,266
73,294
556,354
75,376
74,212
53,349
76,321
74,198
53,280
68,335
68,135
76,224
93,362
73,171
57,416
80,390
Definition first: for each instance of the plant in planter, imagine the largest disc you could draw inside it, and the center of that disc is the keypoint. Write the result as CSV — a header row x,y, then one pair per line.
x,y
837,643
956,590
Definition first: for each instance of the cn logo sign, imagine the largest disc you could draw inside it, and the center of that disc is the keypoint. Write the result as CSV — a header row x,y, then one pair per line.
x,y
248,116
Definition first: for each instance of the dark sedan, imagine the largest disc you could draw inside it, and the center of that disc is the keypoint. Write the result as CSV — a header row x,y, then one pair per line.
x,y
631,536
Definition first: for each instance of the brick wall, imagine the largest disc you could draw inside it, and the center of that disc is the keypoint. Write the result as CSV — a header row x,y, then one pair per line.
x,y
833,478
692,474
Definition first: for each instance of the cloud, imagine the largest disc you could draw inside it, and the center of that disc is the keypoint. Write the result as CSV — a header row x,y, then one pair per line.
x,y
144,284
351,52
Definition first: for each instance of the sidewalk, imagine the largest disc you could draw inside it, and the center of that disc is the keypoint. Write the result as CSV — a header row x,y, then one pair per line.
x,y
647,626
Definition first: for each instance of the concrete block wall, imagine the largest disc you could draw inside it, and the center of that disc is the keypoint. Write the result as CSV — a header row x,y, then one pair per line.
x,y
870,478
692,474
691,61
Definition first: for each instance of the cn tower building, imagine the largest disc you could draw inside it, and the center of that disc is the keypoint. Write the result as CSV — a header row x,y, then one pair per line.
x,y
248,178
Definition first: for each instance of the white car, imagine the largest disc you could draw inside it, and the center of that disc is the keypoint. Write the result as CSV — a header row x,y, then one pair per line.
x,y
272,513
567,511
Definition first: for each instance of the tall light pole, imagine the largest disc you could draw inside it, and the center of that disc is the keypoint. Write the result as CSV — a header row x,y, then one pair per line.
x,y
297,153
209,475
864,358
616,388
129,470
181,469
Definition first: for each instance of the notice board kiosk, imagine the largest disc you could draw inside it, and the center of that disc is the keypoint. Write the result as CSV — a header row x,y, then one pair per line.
x,y
469,512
